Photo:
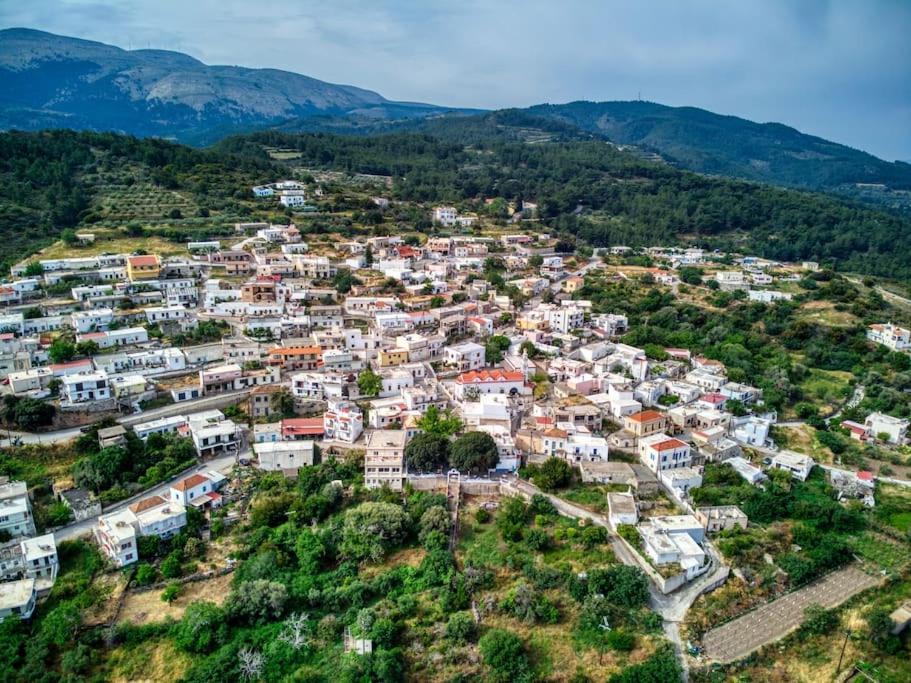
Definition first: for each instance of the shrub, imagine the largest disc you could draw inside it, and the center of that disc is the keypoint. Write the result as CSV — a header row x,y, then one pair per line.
x,y
505,657
171,592
460,628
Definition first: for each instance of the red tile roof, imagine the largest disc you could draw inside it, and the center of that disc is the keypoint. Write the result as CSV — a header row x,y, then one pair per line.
x,y
490,376
303,425
190,482
147,503
668,444
646,416
144,260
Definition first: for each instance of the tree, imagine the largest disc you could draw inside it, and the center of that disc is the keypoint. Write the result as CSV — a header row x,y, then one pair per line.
x,y
434,521
505,656
444,423
474,452
371,529
87,348
202,628
171,592
879,630
494,348
145,574
68,237
250,664
28,413
427,452
817,620
34,269
61,350
257,601
460,628
282,402
295,632
552,474
369,383
620,584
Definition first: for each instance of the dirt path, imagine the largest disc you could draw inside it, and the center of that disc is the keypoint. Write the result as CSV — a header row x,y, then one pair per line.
x,y
739,637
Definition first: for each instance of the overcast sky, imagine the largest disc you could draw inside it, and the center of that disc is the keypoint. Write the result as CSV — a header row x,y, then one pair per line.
x,y
838,69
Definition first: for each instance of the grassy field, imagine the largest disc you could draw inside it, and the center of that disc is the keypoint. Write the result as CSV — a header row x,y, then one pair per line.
x,y
827,389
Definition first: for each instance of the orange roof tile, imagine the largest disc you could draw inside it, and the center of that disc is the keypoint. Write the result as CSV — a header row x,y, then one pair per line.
x,y
147,503
646,416
190,482
668,444
490,376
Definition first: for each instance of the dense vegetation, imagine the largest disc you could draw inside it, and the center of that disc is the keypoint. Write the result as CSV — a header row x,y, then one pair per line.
x,y
50,180
703,141
605,197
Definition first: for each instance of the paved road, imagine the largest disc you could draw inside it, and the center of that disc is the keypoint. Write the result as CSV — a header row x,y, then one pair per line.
x,y
184,407
770,622
222,463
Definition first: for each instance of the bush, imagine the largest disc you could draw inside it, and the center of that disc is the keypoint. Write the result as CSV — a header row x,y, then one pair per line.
x,y
553,474
817,620
460,628
202,629
258,601
371,529
171,592
474,452
145,574
481,516
505,657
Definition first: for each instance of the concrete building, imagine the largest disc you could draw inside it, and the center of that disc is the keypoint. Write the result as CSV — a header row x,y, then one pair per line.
x,y
16,517
384,459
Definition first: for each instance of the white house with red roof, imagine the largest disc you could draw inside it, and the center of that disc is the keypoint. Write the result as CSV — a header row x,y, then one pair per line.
x,y
891,336
661,452
490,382
198,490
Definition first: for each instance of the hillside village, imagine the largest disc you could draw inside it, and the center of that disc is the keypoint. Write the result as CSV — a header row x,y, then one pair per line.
x,y
263,351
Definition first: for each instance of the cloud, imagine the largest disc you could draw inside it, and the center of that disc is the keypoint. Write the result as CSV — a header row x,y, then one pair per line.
x,y
839,69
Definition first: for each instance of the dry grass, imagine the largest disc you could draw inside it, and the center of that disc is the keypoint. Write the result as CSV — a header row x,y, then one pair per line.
x,y
151,660
147,607
406,557
114,243
824,312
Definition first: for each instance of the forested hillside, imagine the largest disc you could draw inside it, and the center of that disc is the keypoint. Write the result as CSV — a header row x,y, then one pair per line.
x,y
606,197
707,142
52,181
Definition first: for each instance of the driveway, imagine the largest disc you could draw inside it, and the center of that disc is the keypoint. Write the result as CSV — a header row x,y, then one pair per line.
x,y
772,621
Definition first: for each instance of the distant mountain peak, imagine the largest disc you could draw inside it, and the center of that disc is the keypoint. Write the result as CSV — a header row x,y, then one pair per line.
x,y
48,80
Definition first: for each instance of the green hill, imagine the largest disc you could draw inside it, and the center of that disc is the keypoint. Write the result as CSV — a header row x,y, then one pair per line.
x,y
703,141
53,181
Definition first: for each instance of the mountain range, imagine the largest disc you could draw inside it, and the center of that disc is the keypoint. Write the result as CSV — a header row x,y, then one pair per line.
x,y
51,81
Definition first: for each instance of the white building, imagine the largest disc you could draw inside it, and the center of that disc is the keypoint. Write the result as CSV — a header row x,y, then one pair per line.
x,y
565,319
893,428
89,321
661,452
505,382
797,464
384,459
891,336
213,433
198,490
15,509
343,421
279,456
84,388
464,357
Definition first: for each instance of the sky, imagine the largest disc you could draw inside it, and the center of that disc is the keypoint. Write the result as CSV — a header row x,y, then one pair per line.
x,y
840,69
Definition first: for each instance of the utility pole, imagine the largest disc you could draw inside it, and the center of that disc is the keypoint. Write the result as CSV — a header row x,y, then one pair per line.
x,y
842,655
